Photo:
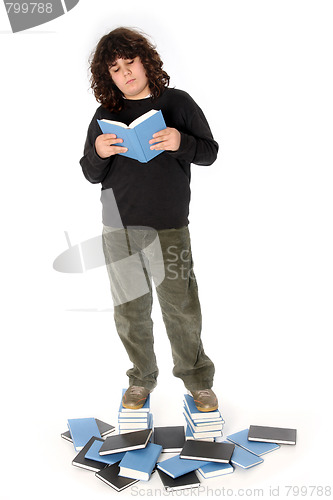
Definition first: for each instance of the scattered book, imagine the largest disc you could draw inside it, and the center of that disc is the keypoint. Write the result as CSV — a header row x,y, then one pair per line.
x,y
110,476
93,454
104,429
125,442
82,429
189,480
84,463
206,451
136,135
244,458
195,413
256,447
139,464
176,466
172,439
277,435
214,469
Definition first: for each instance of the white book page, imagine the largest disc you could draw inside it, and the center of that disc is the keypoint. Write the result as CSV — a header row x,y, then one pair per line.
x,y
142,118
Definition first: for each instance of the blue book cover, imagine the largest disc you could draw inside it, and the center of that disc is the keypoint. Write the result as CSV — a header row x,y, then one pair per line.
x,y
213,469
255,447
139,464
195,413
133,413
244,458
137,135
93,454
82,429
177,466
209,425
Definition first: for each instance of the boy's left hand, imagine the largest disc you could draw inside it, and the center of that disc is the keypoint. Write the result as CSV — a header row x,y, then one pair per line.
x,y
168,139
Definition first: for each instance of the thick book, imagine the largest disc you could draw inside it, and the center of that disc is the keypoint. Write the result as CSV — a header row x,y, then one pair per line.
x,y
110,476
139,464
214,469
197,414
172,439
205,425
104,428
209,452
189,480
93,454
277,435
123,428
136,135
125,442
177,466
189,435
82,429
204,436
244,458
201,432
85,463
256,447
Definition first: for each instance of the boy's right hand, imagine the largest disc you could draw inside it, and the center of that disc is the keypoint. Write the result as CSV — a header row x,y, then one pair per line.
x,y
105,145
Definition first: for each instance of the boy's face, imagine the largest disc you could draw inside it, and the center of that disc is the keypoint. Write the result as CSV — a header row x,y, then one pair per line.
x,y
130,77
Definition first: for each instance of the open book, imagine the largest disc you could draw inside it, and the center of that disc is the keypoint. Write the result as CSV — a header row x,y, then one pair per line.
x,y
136,135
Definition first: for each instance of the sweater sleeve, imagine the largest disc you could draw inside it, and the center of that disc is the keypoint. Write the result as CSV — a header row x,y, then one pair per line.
x,y
197,144
93,166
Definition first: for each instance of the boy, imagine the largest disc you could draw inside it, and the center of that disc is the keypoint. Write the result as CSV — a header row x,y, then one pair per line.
x,y
128,80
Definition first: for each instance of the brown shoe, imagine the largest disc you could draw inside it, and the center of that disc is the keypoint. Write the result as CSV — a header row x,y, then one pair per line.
x,y
135,397
205,400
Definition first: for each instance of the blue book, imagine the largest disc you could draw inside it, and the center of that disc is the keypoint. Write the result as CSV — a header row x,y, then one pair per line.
x,y
177,466
213,469
82,429
136,135
139,464
93,454
244,458
256,447
196,414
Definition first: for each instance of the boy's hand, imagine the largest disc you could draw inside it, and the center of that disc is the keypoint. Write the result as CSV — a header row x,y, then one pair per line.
x,y
105,145
168,139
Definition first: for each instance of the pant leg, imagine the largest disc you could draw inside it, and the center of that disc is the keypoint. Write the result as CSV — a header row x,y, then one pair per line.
x,y
132,297
179,301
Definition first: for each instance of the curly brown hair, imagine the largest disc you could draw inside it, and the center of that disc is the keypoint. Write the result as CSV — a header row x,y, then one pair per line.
x,y
124,43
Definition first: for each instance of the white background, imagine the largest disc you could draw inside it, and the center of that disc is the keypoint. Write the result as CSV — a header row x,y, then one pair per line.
x,y
261,226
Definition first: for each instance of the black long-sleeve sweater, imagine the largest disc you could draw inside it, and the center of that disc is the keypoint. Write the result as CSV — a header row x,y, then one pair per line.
x,y
154,194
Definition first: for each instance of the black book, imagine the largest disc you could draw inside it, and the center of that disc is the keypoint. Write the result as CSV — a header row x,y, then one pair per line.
x,y
278,435
208,451
189,480
110,476
104,429
125,442
85,463
172,439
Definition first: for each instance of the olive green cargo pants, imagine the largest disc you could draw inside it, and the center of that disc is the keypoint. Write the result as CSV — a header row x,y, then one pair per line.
x,y
135,257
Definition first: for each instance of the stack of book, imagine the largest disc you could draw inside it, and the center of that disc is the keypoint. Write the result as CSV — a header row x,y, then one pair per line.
x,y
206,426
134,420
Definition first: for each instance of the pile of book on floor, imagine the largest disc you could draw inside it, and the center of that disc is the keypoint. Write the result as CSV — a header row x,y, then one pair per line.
x,y
135,420
202,425
120,460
